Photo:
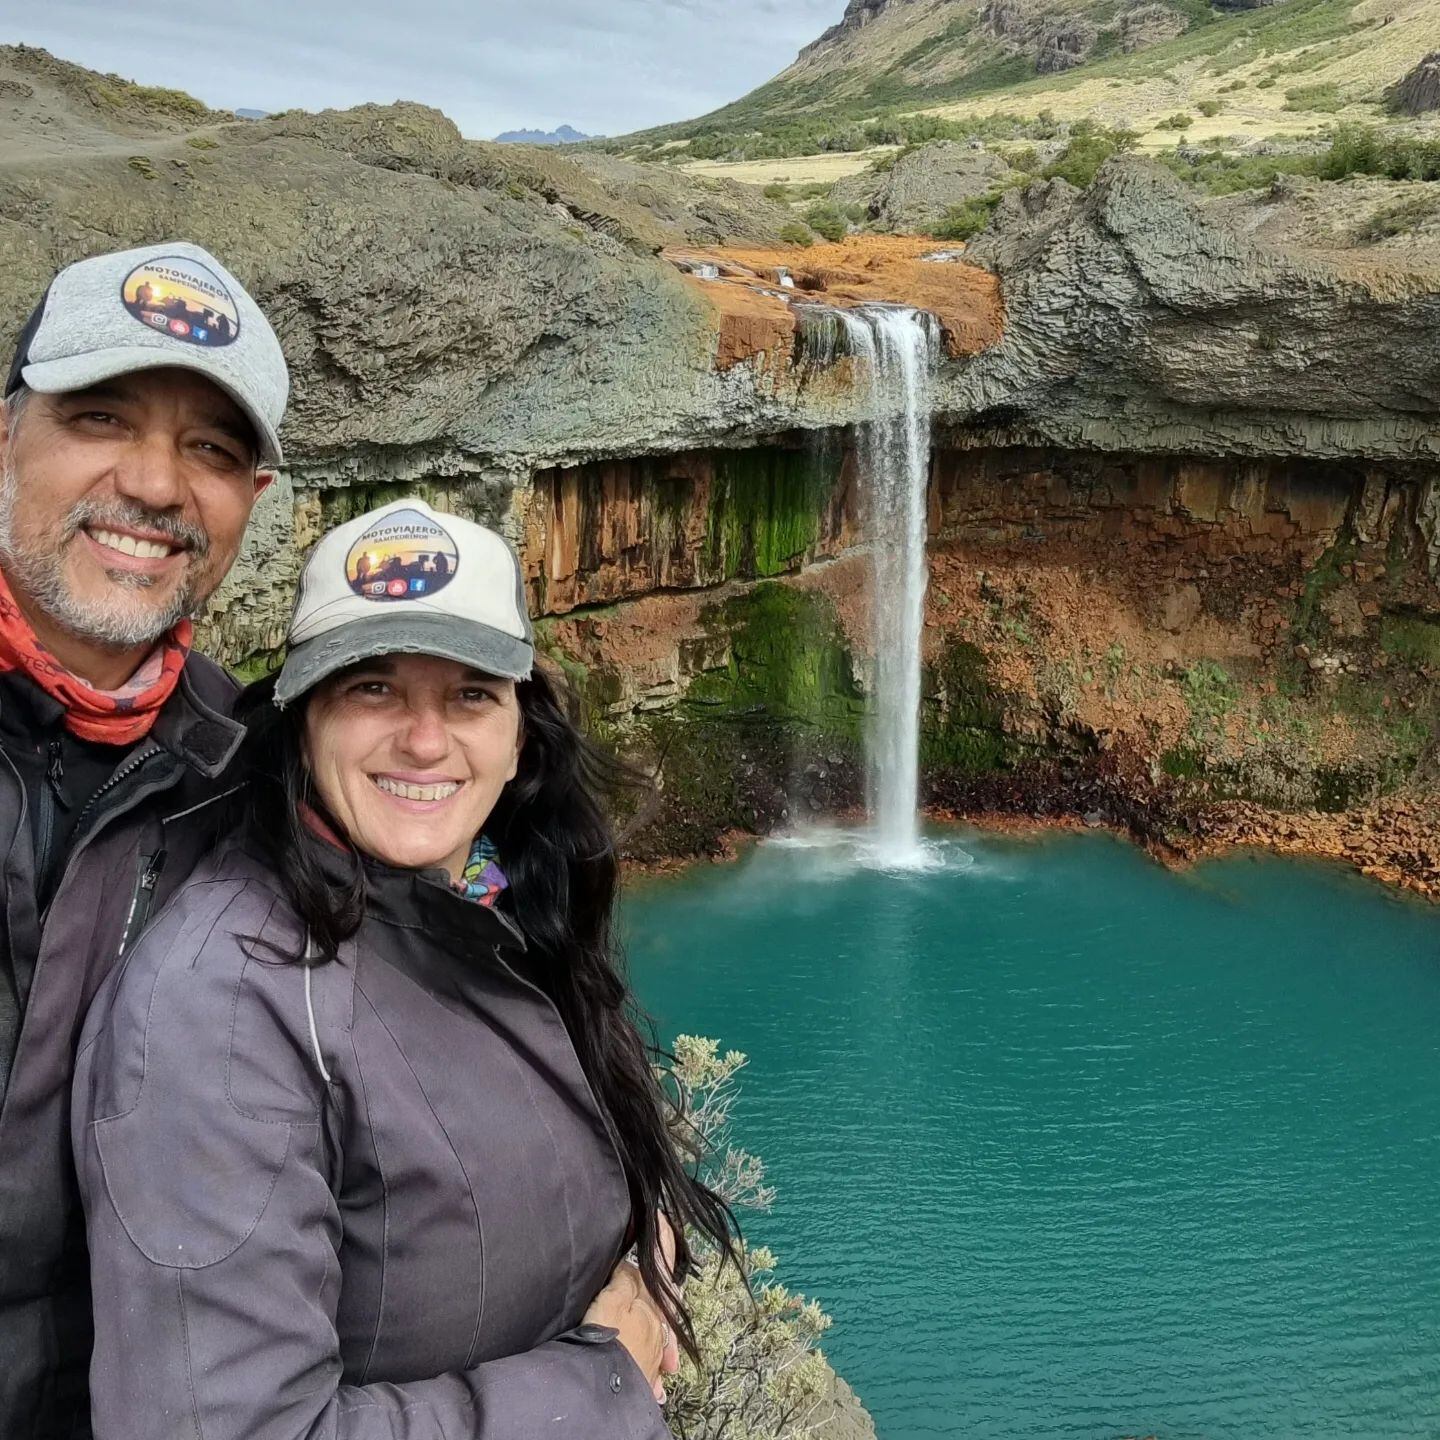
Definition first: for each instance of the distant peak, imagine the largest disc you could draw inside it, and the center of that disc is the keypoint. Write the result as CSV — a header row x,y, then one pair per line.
x,y
564,135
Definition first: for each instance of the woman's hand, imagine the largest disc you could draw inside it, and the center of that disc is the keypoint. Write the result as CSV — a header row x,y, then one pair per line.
x,y
626,1306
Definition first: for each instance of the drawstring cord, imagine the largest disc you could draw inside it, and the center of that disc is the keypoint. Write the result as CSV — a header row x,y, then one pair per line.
x,y
310,953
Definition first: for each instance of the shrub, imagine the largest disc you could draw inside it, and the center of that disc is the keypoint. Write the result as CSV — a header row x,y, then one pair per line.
x,y
1089,148
968,218
202,142
113,92
1362,150
1209,108
1179,121
775,192
796,232
760,1376
825,220
1222,174
1399,218
1323,98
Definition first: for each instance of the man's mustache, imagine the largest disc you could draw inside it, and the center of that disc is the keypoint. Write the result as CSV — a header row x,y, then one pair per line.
x,y
130,514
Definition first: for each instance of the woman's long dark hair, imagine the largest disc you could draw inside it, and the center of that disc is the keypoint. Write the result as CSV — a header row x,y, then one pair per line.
x,y
558,851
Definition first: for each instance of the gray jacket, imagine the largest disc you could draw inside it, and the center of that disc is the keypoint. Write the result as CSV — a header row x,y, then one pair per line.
x,y
403,1249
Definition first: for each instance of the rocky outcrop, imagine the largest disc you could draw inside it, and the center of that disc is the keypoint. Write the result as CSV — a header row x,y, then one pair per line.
x,y
1063,43
842,1416
1148,24
913,195
858,13
1134,320
1417,93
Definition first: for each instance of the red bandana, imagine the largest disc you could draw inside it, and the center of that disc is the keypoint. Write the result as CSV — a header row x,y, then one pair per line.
x,y
109,717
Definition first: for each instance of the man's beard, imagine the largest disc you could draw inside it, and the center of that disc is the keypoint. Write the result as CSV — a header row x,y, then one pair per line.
x,y
35,565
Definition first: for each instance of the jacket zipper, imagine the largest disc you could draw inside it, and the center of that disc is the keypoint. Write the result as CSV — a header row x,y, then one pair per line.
x,y
141,898
123,773
82,836
51,794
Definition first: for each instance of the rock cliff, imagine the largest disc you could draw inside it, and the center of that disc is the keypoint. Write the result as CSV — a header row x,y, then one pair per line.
x,y
1417,93
1156,430
1136,320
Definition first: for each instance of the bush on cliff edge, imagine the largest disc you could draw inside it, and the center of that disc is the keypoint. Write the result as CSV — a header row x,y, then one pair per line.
x,y
760,1376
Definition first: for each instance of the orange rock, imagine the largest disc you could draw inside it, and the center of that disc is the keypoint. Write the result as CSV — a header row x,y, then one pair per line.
x,y
857,271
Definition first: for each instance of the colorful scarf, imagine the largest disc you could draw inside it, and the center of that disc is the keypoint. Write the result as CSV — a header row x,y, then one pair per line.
x,y
108,717
482,880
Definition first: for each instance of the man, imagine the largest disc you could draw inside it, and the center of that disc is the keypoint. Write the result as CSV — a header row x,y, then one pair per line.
x,y
132,456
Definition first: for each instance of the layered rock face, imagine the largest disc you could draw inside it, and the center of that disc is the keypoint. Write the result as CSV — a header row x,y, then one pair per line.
x,y
1417,93
1135,638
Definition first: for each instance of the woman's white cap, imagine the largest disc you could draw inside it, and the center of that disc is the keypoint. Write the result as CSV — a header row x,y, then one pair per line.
x,y
405,579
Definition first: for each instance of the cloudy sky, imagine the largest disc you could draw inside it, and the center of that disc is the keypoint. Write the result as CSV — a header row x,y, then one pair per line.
x,y
604,66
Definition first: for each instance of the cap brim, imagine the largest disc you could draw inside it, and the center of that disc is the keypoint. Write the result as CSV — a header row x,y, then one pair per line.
x,y
464,641
75,372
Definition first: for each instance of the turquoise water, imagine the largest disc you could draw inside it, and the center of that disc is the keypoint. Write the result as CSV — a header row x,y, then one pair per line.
x,y
1072,1146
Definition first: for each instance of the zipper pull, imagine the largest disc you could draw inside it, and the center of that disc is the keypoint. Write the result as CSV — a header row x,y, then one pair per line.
x,y
151,876
55,770
142,898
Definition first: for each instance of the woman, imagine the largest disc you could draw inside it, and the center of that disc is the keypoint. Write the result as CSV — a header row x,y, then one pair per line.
x,y
361,1123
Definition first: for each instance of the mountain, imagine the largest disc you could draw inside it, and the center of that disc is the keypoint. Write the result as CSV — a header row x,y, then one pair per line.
x,y
249,114
565,135
1276,66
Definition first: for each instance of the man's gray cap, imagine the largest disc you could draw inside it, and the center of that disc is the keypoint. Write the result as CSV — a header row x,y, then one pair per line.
x,y
159,305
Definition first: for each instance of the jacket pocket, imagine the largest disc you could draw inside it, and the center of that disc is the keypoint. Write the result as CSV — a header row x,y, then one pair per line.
x,y
188,1199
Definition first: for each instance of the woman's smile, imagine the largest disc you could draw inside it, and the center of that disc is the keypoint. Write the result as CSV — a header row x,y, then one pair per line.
x,y
417,790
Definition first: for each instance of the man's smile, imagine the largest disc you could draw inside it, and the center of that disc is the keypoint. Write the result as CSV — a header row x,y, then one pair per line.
x,y
148,554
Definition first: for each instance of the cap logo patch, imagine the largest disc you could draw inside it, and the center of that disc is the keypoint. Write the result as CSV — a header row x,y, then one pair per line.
x,y
405,556
183,299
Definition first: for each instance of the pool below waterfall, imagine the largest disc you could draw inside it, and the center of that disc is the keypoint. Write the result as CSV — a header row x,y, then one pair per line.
x,y
1071,1146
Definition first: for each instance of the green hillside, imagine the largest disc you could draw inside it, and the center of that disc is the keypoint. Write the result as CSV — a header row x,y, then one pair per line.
x,y
1240,68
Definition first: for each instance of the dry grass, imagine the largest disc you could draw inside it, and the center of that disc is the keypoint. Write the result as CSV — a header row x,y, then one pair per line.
x,y
1382,53
793,169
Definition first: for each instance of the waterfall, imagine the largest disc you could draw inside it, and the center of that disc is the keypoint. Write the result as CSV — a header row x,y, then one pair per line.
x,y
895,349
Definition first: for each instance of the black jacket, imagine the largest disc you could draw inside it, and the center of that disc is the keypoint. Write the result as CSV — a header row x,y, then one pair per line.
x,y
131,842
368,1201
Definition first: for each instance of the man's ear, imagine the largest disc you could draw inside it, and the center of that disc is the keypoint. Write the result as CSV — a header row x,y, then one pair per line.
x,y
264,479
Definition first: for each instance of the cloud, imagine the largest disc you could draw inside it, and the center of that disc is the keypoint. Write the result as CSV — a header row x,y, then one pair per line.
x,y
602,67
